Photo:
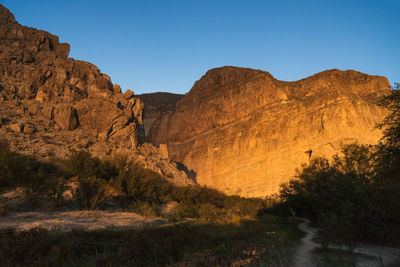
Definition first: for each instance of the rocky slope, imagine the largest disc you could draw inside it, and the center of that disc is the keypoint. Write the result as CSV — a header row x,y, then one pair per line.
x,y
156,104
50,103
244,132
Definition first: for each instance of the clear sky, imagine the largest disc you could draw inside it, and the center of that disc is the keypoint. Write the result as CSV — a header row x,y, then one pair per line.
x,y
167,45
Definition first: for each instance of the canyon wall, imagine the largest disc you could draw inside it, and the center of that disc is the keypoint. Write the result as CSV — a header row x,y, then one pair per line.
x,y
155,105
244,132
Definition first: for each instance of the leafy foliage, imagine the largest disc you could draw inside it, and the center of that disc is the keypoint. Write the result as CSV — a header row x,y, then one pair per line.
x,y
82,164
91,192
38,180
339,196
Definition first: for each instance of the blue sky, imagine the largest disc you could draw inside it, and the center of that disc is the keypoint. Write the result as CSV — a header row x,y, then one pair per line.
x,y
167,45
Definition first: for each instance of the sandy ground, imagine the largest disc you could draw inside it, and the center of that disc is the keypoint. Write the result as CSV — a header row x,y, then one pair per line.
x,y
388,256
68,220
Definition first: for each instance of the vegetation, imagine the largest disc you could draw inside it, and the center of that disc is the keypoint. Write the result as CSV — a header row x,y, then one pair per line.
x,y
38,180
226,229
144,191
123,182
356,196
338,195
268,241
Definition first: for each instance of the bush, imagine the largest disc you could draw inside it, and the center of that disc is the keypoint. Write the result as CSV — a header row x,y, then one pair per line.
x,y
338,195
145,209
9,166
91,192
83,165
55,191
144,191
38,180
138,184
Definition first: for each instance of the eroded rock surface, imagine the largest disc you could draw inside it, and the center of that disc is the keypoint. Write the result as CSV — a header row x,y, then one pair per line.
x,y
155,105
244,132
50,104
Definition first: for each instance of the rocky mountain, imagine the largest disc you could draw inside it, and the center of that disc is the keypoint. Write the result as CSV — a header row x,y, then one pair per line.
x,y
244,132
156,104
50,103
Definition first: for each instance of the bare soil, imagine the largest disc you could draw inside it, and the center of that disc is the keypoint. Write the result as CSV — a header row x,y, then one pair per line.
x,y
69,220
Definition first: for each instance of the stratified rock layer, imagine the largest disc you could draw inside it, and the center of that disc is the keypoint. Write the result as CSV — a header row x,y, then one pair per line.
x,y
50,104
244,132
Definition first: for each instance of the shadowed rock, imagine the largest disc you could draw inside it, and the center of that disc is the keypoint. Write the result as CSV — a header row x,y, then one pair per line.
x,y
155,105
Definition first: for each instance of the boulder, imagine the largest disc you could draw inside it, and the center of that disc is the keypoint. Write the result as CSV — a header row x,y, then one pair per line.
x,y
66,117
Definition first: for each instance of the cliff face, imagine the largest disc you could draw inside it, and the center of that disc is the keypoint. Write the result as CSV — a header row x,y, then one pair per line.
x,y
35,66
244,132
155,105
50,103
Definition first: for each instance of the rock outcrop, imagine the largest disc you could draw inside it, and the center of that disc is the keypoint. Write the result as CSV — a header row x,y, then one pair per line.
x,y
155,105
50,103
35,66
244,132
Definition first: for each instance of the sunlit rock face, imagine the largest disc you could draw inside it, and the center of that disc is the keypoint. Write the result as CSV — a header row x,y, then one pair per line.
x,y
51,104
244,132
35,66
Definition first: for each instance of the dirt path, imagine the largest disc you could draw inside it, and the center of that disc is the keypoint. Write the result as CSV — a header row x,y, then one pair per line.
x,y
68,220
303,255
381,255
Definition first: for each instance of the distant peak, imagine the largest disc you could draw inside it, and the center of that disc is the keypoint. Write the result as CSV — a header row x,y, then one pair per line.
x,y
6,17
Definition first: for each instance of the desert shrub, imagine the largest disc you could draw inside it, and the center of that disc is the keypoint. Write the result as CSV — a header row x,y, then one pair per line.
x,y
55,189
143,190
32,176
337,195
91,192
39,181
83,165
147,209
210,205
95,176
8,166
138,184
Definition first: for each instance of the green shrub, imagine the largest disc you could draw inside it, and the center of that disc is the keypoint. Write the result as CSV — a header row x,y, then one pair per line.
x,y
38,180
145,209
91,192
83,165
338,195
55,191
143,190
138,184
9,167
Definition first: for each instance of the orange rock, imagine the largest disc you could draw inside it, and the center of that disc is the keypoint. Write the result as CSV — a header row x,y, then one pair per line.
x,y
244,132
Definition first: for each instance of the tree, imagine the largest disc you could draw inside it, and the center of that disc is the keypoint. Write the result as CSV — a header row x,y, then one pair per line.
x,y
337,195
387,179
388,154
